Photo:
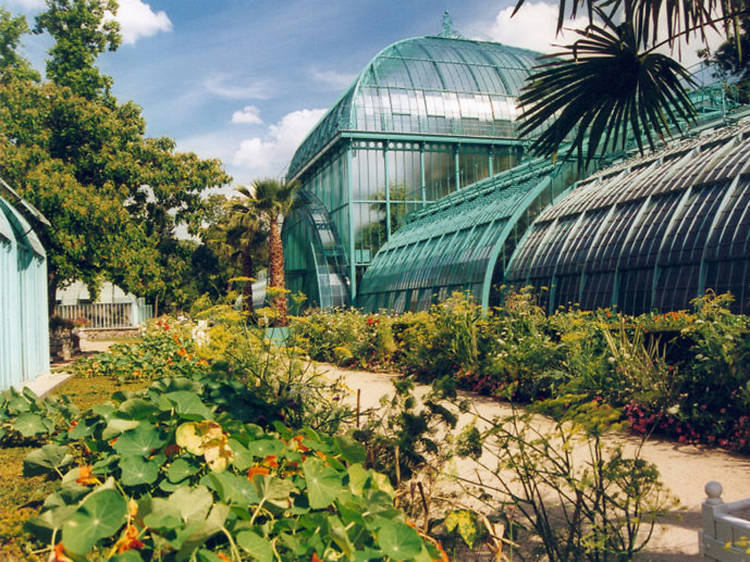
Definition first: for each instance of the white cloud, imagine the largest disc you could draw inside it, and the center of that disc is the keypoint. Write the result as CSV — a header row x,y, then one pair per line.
x,y
332,78
138,20
268,156
223,86
249,115
533,27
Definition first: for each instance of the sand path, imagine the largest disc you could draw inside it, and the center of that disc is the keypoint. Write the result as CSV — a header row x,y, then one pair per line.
x,y
684,469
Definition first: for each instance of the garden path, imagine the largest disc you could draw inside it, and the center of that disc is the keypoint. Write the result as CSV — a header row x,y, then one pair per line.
x,y
685,469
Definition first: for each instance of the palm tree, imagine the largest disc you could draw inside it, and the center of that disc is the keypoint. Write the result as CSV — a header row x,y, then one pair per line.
x,y
273,200
610,84
246,235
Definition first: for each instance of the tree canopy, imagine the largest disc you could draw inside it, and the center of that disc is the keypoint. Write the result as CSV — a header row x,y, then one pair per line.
x,y
114,196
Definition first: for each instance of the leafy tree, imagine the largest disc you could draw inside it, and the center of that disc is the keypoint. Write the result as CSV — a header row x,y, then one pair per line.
x,y
114,197
247,235
732,59
273,200
610,83
81,33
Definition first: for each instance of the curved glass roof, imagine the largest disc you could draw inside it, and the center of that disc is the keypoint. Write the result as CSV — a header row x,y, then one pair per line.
x,y
649,233
461,242
428,85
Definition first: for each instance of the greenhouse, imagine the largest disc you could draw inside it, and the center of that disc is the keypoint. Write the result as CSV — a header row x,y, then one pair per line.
x,y
24,332
649,233
426,118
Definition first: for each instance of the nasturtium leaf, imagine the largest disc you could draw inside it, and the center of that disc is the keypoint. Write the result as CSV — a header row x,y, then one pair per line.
x,y
137,471
142,440
167,486
358,476
367,555
82,429
189,405
352,451
274,490
398,540
100,515
44,524
232,489
189,436
29,425
103,410
242,457
137,409
127,556
323,483
46,459
116,426
192,503
181,469
339,535
201,531
217,454
255,545
262,448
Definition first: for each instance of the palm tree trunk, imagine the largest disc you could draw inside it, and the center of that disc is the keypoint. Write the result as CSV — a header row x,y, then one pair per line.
x,y
247,289
276,270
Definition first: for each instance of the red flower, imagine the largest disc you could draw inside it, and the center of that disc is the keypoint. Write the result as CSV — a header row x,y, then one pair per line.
x,y
129,540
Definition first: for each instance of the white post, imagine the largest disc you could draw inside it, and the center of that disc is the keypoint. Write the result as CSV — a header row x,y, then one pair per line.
x,y
709,510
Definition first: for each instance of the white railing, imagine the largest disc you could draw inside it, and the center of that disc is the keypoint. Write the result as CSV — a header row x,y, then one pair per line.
x,y
726,528
106,315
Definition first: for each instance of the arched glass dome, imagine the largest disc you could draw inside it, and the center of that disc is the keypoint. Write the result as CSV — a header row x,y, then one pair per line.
x,y
428,85
651,233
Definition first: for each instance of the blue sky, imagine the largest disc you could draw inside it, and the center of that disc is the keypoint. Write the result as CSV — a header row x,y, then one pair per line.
x,y
244,81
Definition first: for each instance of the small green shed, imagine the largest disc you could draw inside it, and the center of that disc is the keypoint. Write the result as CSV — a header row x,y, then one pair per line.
x,y
24,326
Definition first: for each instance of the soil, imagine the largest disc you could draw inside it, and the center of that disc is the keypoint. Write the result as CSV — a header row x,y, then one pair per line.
x,y
684,469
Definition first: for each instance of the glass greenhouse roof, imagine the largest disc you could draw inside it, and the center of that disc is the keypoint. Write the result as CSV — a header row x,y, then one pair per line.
x,y
649,233
428,85
455,244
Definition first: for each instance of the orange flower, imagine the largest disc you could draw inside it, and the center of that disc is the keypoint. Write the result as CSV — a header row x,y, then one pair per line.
x,y
202,362
270,460
72,425
132,508
113,441
315,558
257,470
129,540
297,439
58,554
85,477
444,557
182,352
223,557
321,454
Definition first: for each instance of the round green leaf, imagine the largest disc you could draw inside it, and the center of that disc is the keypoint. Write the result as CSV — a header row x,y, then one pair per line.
x,y
142,440
398,540
258,547
136,471
46,459
180,469
100,516
323,483
29,425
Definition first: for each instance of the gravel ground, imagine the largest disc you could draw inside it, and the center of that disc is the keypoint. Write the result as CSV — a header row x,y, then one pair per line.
x,y
685,469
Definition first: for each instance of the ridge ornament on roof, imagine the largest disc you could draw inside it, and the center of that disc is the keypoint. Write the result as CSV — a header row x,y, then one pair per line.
x,y
448,32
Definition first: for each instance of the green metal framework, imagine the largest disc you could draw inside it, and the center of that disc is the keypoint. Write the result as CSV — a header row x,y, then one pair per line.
x,y
649,233
425,118
24,333
462,242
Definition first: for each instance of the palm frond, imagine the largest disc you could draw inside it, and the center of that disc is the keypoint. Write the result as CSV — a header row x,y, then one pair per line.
x,y
600,91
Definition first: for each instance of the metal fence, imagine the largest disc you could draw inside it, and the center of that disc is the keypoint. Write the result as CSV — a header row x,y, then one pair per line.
x,y
107,315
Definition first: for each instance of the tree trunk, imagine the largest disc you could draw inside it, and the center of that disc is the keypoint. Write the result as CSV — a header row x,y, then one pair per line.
x,y
276,270
247,288
51,293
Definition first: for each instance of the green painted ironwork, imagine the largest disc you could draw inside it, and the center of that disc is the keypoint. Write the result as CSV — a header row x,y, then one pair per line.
x,y
648,233
427,86
461,242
